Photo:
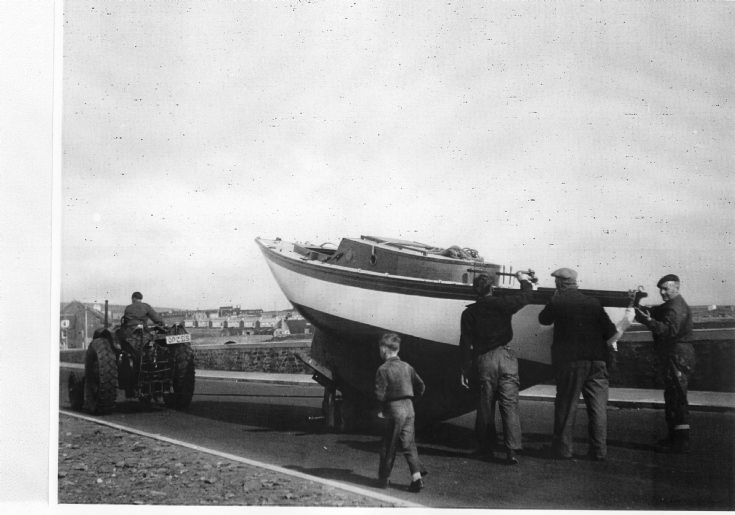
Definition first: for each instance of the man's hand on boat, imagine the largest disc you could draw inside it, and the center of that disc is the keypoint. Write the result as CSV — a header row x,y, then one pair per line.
x,y
643,312
464,380
528,275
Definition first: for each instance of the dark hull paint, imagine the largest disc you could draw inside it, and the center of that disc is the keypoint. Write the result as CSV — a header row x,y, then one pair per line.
x,y
350,350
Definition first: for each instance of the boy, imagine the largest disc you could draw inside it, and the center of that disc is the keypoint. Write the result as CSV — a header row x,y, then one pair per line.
x,y
396,384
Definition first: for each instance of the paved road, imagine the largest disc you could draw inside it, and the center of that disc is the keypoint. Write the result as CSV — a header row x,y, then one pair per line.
x,y
270,423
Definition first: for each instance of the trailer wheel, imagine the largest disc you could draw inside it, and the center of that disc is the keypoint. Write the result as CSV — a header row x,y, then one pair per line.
x,y
100,381
76,391
183,378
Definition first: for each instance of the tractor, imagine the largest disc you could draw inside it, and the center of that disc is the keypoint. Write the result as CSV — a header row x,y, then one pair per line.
x,y
155,365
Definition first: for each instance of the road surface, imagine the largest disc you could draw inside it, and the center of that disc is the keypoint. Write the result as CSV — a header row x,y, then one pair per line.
x,y
275,424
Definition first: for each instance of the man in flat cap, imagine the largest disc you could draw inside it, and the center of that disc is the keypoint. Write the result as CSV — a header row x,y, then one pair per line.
x,y
671,326
138,313
578,357
486,332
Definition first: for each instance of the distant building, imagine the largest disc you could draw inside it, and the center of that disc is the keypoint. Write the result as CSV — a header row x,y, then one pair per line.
x,y
78,322
249,323
228,311
299,326
174,317
269,322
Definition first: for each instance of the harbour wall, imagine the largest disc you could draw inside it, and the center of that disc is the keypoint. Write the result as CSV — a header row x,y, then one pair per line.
x,y
636,365
635,362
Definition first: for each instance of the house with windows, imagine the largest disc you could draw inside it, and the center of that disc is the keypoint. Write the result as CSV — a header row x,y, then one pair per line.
x,y
77,324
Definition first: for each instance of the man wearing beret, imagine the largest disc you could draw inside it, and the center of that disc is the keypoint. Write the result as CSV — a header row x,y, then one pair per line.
x,y
578,357
671,326
486,331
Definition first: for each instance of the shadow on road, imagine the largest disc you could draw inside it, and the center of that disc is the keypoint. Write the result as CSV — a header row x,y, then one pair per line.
x,y
447,435
267,416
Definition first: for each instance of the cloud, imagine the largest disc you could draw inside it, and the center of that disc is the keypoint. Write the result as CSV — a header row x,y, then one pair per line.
x,y
594,136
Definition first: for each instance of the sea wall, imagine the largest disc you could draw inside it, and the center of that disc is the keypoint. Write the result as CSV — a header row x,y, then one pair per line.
x,y
274,358
271,357
635,364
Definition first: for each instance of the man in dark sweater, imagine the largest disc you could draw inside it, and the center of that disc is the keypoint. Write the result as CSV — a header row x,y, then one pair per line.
x,y
137,313
396,384
578,357
486,331
671,326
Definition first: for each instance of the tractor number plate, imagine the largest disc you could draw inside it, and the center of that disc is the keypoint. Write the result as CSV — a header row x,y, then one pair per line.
x,y
173,339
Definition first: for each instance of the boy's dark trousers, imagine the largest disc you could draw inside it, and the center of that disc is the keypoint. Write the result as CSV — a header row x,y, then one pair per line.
x,y
399,435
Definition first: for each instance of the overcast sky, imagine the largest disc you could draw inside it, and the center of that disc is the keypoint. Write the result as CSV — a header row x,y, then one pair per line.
x,y
597,136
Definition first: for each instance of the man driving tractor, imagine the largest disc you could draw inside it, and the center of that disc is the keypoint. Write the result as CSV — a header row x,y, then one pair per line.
x,y
138,313
136,316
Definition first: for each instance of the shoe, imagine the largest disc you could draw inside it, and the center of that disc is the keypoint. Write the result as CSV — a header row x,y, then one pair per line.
x,y
424,473
681,447
663,446
675,447
681,441
510,458
383,482
416,486
595,456
664,442
678,444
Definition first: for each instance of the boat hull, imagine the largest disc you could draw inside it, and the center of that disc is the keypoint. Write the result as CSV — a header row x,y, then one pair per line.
x,y
350,350
353,307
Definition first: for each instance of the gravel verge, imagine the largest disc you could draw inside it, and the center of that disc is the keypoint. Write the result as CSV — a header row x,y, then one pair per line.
x,y
104,465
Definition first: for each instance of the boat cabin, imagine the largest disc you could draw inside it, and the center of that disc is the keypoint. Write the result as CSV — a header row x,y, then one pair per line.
x,y
404,258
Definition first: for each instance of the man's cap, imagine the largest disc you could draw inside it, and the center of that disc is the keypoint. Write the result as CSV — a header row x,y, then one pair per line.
x,y
667,278
480,279
482,284
565,273
137,295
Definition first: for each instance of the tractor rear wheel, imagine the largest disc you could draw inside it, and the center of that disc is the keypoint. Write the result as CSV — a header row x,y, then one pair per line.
x,y
100,377
183,378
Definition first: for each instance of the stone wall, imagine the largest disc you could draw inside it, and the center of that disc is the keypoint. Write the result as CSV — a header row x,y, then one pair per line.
x,y
272,357
278,358
635,367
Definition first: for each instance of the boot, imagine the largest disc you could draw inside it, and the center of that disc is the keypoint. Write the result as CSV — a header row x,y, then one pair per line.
x,y
680,444
416,486
666,444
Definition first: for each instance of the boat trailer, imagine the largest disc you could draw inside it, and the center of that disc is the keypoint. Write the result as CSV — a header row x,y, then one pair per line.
x,y
344,408
331,405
